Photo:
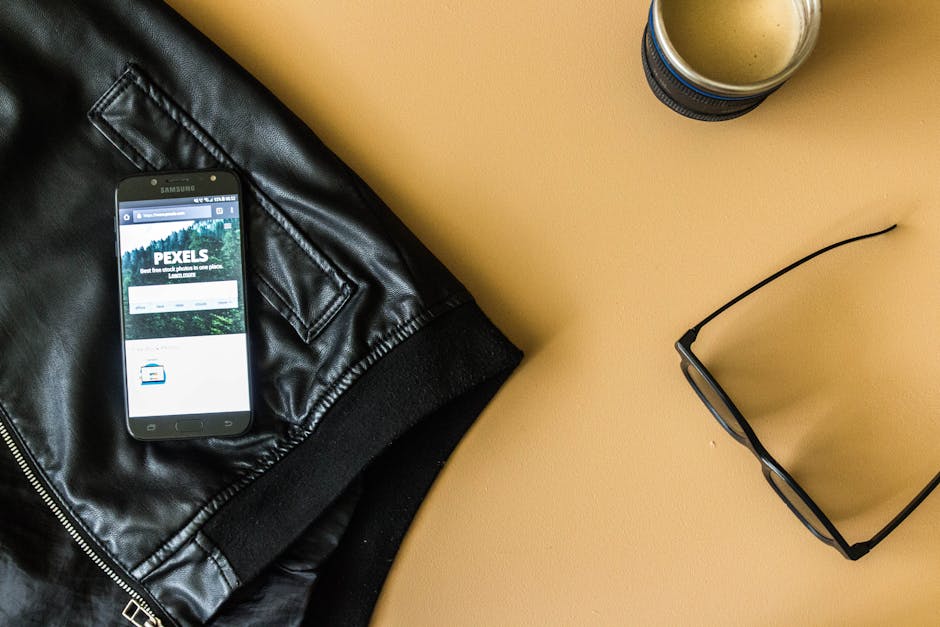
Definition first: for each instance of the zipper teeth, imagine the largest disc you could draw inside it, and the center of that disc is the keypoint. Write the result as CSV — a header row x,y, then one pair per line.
x,y
64,521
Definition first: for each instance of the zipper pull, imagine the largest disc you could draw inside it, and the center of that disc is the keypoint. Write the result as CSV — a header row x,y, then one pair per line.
x,y
134,612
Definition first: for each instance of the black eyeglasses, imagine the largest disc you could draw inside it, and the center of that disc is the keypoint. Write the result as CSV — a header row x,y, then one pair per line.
x,y
737,426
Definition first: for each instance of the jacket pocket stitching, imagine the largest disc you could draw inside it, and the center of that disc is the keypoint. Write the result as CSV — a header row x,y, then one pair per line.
x,y
268,290
124,146
98,120
133,76
216,151
188,124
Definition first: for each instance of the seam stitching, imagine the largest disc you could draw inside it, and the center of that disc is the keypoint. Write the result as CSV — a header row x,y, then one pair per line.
x,y
96,115
299,433
213,554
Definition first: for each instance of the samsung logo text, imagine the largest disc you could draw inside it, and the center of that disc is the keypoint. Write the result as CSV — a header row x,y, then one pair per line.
x,y
172,189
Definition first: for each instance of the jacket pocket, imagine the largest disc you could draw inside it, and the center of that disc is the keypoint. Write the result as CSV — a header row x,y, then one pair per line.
x,y
155,133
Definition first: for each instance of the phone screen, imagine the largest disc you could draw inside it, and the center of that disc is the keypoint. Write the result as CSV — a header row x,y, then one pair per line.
x,y
183,299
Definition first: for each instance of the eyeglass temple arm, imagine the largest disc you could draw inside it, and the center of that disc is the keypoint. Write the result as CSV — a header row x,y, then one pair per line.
x,y
693,332
897,520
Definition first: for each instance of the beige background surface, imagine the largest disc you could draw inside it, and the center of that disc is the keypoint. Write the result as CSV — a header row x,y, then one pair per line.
x,y
520,142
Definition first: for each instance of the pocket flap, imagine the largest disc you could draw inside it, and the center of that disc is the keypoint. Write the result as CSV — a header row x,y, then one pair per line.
x,y
155,133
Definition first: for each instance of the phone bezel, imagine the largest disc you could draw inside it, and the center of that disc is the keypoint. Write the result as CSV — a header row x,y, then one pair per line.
x,y
139,187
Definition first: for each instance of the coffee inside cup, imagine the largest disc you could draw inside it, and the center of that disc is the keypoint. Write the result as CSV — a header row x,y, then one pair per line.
x,y
737,42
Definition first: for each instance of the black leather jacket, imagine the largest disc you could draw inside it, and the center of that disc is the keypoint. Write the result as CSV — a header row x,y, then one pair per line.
x,y
370,359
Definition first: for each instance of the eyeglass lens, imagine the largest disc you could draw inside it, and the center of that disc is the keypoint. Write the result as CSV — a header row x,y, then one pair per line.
x,y
788,494
724,414
713,399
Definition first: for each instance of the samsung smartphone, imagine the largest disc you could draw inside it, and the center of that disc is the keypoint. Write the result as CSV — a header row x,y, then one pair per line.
x,y
181,269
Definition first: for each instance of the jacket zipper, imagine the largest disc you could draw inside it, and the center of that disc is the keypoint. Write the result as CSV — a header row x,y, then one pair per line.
x,y
137,611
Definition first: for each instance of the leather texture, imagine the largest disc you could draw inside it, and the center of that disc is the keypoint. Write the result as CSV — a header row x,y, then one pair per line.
x,y
98,90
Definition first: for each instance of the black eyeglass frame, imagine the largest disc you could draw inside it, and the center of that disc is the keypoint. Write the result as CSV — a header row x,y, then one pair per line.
x,y
748,438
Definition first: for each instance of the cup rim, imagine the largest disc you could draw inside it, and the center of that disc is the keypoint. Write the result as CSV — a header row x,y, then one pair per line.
x,y
808,37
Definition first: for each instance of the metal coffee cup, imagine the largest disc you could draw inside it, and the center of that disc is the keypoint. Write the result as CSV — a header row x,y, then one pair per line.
x,y
716,60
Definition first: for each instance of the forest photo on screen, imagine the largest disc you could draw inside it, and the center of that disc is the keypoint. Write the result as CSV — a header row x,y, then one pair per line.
x,y
182,252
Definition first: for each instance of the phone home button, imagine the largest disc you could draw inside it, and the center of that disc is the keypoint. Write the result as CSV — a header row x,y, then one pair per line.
x,y
189,426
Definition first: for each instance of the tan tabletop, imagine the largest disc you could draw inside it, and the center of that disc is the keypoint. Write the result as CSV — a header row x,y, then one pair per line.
x,y
520,142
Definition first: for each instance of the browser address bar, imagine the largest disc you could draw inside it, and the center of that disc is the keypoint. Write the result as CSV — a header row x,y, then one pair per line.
x,y
164,214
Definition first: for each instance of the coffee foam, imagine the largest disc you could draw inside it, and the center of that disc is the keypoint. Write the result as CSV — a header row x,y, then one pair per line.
x,y
733,41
